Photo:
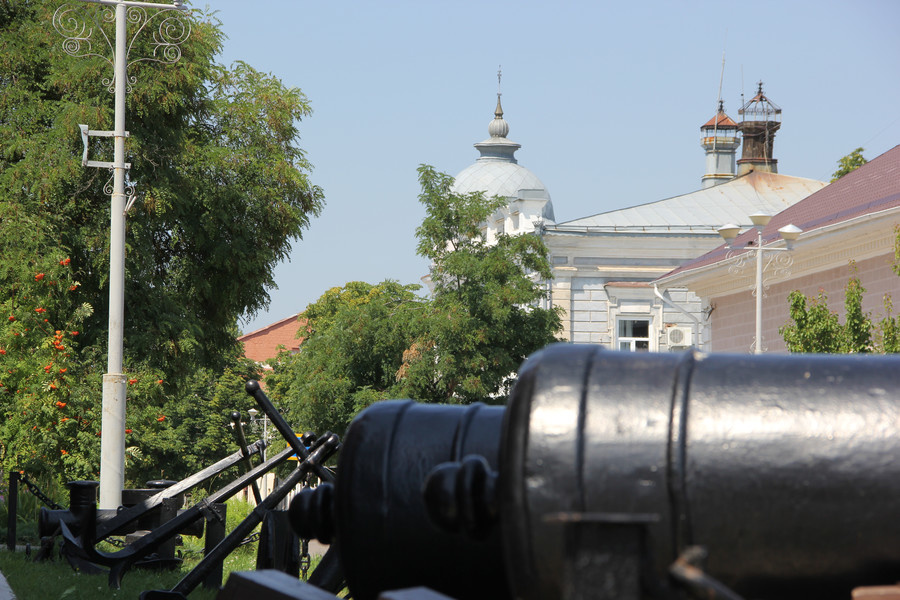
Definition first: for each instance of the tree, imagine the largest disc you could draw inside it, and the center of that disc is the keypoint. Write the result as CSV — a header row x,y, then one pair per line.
x,y
849,163
223,192
485,318
365,343
814,328
356,337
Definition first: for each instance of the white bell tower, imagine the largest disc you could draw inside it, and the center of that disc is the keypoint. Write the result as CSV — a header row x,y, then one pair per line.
x,y
720,141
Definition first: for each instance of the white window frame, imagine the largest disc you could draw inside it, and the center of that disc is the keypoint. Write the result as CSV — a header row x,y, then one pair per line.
x,y
633,340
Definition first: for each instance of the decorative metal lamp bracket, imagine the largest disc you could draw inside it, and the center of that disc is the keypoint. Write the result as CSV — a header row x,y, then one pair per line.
x,y
86,134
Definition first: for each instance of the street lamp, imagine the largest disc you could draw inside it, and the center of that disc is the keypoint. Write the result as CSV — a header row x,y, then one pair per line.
x,y
77,27
265,419
779,259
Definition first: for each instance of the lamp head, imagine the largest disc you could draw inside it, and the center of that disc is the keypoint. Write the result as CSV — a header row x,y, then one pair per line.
x,y
729,233
760,220
790,233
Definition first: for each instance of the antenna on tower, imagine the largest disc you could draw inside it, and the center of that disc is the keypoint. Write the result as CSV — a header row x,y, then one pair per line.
x,y
718,102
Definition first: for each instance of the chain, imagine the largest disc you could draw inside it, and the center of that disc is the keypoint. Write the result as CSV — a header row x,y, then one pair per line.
x,y
37,493
304,559
253,537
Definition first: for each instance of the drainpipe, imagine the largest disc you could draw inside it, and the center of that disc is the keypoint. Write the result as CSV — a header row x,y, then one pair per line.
x,y
695,328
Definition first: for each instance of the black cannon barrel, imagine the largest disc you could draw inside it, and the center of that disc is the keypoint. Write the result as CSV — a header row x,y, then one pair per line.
x,y
785,469
384,536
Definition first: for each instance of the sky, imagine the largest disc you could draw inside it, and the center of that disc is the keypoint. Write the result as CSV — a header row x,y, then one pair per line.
x,y
606,99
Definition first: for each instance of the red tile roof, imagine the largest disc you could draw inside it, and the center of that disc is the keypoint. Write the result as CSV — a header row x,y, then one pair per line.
x,y
264,343
873,187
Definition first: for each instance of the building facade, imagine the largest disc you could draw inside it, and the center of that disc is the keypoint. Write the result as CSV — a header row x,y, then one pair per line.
x,y
849,230
604,265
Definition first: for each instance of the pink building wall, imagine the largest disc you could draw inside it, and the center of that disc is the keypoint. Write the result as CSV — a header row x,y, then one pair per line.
x,y
734,317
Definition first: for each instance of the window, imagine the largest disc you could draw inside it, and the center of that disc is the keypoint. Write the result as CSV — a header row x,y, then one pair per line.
x,y
634,335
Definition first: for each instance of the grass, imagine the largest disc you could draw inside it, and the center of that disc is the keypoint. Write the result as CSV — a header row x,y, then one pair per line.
x,y
56,580
52,580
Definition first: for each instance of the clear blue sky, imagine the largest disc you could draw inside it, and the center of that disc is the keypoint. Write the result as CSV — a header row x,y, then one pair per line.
x,y
606,99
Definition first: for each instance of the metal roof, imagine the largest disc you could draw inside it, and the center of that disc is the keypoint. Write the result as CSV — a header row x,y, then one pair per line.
x,y
729,202
720,120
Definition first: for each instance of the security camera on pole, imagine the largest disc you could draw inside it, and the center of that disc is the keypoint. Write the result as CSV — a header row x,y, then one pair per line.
x,y
76,24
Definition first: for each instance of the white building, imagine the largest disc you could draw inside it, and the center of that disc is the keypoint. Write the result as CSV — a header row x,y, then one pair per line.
x,y
604,265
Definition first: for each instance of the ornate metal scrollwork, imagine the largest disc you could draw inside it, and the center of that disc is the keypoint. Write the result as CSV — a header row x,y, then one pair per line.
x,y
781,263
130,190
173,30
777,267
79,24
737,260
108,186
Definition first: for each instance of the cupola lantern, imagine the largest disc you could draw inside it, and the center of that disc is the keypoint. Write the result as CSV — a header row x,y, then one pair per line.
x,y
760,119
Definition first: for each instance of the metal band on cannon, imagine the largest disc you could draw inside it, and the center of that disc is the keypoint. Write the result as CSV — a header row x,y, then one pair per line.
x,y
782,468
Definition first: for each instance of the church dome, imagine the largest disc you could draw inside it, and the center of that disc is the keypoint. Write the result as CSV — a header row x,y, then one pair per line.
x,y
497,173
497,179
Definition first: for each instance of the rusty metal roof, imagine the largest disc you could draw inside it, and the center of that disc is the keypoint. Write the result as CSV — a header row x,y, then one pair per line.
x,y
720,120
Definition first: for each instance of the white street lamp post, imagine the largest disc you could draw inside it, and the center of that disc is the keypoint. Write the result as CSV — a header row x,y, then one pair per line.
x,y
78,32
789,233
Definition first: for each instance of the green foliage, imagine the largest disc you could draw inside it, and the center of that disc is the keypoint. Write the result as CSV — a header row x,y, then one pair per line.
x,y
895,267
857,331
485,318
814,328
222,190
849,163
889,329
356,339
48,419
366,343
